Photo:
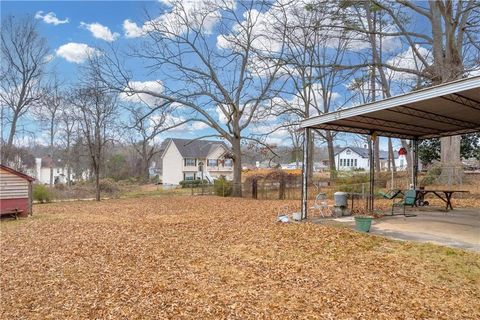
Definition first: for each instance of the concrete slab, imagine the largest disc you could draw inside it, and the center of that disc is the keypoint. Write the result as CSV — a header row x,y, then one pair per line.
x,y
459,228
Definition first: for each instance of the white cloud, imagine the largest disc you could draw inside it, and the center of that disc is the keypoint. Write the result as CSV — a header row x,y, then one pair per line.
x,y
75,52
153,86
409,60
132,30
100,31
197,14
50,18
48,58
171,120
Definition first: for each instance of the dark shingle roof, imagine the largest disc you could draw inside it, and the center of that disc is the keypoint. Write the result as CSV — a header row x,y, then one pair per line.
x,y
194,148
363,152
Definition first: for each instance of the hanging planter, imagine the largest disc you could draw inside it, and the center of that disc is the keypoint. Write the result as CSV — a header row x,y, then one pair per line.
x,y
402,152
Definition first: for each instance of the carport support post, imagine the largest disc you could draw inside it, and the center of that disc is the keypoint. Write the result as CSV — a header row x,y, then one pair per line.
x,y
371,190
306,138
414,163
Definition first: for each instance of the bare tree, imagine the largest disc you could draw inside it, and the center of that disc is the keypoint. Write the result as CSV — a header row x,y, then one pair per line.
x,y
311,52
67,129
24,54
96,107
454,28
146,124
222,84
48,113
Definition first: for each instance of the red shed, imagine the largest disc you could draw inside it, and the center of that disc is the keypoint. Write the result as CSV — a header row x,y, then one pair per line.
x,y
15,192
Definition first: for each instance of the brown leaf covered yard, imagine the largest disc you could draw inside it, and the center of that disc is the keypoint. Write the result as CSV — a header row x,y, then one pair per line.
x,y
210,257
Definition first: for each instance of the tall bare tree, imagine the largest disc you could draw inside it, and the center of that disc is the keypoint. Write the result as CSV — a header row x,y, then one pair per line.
x,y
48,112
96,107
146,124
223,84
310,54
67,129
453,32
24,54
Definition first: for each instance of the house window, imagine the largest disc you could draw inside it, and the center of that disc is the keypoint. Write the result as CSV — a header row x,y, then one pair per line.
x,y
212,162
189,176
355,162
228,163
348,162
190,162
348,152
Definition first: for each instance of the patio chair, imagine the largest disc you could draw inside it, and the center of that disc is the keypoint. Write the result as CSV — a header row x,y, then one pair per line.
x,y
391,194
320,204
408,200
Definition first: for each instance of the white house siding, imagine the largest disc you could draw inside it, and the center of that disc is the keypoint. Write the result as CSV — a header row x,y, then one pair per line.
x,y
363,163
346,161
12,186
172,165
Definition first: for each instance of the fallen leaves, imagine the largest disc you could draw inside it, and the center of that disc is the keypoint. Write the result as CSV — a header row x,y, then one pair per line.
x,y
211,257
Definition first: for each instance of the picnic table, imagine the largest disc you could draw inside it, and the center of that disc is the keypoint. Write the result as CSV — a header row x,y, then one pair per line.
x,y
420,194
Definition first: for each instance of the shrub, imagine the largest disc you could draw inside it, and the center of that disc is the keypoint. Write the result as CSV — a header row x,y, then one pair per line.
x,y
108,185
41,193
222,187
192,183
431,176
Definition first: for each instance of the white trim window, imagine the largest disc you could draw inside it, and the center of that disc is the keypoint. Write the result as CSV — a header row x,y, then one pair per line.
x,y
190,162
228,163
212,162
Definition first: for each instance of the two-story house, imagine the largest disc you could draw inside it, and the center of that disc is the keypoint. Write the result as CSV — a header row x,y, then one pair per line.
x,y
350,158
184,159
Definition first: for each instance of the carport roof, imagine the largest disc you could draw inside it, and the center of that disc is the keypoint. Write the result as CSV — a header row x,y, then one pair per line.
x,y
444,110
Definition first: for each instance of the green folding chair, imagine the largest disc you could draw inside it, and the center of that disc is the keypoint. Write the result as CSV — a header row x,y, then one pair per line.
x,y
408,200
391,194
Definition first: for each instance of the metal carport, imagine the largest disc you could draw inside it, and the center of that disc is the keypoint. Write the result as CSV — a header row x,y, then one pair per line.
x,y
444,110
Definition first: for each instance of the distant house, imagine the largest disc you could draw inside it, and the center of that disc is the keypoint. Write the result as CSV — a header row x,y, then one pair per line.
x,y
42,170
350,158
184,159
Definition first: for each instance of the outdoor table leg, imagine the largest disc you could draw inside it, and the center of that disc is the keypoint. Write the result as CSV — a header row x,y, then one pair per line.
x,y
448,195
440,197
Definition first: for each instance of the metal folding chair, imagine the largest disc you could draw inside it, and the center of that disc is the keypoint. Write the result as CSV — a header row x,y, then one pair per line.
x,y
320,204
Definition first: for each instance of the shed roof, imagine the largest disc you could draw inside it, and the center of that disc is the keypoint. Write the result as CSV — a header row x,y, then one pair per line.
x,y
189,148
17,173
444,110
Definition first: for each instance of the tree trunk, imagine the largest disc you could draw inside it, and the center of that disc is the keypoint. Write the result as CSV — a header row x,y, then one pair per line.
x,y
311,150
97,183
8,150
391,155
237,166
52,163
145,168
452,169
331,155
377,155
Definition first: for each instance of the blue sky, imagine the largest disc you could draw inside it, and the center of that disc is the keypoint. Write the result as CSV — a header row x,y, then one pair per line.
x,y
108,13
69,24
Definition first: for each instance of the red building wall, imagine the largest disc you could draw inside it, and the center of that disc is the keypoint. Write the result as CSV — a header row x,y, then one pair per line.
x,y
10,204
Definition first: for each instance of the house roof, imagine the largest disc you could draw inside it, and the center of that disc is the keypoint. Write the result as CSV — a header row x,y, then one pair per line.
x,y
48,161
17,173
444,110
363,152
194,148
